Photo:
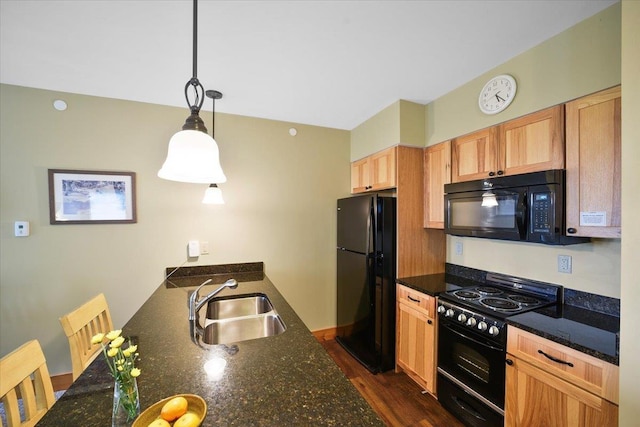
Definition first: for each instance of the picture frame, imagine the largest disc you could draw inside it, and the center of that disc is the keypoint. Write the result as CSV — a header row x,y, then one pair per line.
x,y
91,197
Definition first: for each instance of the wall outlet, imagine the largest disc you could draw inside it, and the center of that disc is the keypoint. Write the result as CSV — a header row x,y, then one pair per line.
x,y
193,249
458,248
564,264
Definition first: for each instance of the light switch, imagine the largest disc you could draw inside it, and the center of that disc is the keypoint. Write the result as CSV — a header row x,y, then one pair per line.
x,y
22,228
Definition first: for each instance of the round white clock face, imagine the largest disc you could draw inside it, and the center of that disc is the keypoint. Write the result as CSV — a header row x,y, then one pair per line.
x,y
497,94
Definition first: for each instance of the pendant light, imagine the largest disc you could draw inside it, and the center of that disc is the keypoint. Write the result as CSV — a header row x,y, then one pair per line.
x,y
193,155
489,199
213,195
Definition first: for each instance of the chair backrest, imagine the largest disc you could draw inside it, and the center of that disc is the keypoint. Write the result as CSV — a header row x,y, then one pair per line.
x,y
80,326
16,371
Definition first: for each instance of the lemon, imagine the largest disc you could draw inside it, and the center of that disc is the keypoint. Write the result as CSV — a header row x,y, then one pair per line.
x,y
159,423
187,420
174,408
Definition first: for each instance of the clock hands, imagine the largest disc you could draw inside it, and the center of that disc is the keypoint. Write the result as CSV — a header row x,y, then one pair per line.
x,y
499,98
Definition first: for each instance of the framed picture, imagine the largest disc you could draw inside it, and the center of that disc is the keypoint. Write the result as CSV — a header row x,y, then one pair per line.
x,y
91,197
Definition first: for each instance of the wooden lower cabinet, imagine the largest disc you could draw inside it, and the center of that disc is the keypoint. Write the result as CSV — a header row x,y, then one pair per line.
x,y
416,337
564,392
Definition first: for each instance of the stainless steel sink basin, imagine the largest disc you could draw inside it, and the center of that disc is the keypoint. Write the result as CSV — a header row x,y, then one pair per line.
x,y
237,306
239,318
244,328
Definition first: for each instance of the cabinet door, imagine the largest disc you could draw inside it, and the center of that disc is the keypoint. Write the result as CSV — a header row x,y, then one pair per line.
x,y
382,169
474,156
532,143
593,165
416,346
360,176
537,398
437,173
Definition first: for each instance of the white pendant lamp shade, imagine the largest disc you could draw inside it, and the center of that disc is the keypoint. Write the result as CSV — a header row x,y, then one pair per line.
x,y
489,200
213,196
193,156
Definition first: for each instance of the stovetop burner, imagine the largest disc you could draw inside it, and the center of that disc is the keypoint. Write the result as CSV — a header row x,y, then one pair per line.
x,y
524,299
500,304
467,295
502,296
488,290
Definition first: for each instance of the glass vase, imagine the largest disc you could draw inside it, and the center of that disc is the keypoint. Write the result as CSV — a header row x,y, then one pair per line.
x,y
126,402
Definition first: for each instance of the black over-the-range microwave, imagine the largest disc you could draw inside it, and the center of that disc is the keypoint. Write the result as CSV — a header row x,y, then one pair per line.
x,y
528,207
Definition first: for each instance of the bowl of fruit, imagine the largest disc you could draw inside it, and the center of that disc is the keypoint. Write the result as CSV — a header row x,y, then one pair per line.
x,y
181,410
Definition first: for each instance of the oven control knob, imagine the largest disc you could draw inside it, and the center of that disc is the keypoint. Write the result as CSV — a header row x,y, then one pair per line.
x,y
449,313
441,309
471,322
482,326
493,331
462,318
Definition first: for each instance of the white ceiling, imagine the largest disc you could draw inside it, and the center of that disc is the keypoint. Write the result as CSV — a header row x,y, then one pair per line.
x,y
326,63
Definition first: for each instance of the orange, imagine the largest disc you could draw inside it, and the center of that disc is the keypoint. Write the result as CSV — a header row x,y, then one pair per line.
x,y
175,408
159,423
187,420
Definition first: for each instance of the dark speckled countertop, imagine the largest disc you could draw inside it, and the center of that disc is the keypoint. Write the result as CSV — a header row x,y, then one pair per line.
x,y
584,330
284,380
435,284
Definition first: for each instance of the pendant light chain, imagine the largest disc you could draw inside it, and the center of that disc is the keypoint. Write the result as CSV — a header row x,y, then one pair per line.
x,y
194,82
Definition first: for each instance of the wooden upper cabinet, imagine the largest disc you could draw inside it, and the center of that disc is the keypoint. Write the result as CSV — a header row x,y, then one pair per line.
x,y
437,173
531,143
375,172
474,156
593,199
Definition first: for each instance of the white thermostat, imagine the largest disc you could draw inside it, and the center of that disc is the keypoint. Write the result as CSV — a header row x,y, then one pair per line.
x,y
22,228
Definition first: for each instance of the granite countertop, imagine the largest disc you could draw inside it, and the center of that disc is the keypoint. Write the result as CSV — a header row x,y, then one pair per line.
x,y
435,284
287,379
588,331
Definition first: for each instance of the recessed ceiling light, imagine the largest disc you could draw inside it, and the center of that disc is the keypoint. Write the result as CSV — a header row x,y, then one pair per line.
x,y
59,105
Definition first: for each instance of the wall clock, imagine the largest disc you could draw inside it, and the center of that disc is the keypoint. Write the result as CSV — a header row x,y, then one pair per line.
x,y
497,94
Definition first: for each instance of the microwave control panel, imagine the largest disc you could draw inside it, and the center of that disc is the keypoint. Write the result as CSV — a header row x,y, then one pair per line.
x,y
542,212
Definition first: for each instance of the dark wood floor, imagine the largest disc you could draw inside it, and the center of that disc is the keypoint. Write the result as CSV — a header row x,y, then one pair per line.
x,y
394,396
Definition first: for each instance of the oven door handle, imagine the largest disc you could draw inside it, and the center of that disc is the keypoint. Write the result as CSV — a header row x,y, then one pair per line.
x,y
472,339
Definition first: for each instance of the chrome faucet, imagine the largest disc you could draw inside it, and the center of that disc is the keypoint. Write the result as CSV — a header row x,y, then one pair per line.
x,y
195,303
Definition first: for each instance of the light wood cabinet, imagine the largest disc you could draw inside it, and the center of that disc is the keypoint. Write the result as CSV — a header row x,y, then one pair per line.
x,y
531,143
593,195
474,156
548,384
437,173
416,336
375,172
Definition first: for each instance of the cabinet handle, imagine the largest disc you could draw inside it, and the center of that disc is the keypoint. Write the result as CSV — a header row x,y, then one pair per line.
x,y
429,322
555,359
413,299
509,362
492,173
500,172
571,230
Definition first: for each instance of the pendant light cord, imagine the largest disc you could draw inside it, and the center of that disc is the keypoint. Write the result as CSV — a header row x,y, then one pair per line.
x,y
194,82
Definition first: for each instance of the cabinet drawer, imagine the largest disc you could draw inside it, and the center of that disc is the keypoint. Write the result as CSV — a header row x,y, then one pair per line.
x,y
592,374
423,302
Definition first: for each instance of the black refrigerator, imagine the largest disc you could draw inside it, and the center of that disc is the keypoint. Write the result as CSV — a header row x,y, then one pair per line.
x,y
366,267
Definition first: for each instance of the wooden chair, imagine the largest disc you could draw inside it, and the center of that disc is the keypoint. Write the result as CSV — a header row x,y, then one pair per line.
x,y
16,371
80,326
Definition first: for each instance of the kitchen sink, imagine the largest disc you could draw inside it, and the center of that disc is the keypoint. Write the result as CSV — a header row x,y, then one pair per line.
x,y
226,331
237,318
237,306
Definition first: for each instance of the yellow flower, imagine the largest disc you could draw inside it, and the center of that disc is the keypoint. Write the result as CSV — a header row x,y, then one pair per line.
x,y
116,342
114,334
112,352
120,368
135,372
129,350
97,339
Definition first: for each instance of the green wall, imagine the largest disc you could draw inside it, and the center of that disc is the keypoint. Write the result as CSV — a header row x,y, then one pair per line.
x,y
280,209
